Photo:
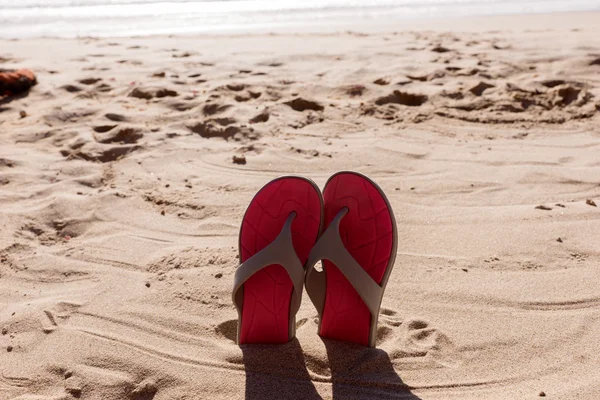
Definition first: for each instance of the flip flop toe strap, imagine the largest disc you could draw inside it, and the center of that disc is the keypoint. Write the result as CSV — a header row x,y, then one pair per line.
x,y
280,251
330,247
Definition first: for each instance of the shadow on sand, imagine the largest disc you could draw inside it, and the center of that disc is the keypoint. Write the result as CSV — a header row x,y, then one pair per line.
x,y
279,372
9,99
359,372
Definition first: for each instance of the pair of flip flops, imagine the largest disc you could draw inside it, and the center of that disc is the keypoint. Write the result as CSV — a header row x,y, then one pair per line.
x,y
287,229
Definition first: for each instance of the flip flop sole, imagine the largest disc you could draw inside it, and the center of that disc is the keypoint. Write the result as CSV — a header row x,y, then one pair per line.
x,y
265,314
368,231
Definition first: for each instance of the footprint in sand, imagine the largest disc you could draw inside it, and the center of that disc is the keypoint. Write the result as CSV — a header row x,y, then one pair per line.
x,y
89,81
260,118
116,117
478,89
215,108
414,338
299,104
308,119
382,81
355,90
240,87
189,257
62,116
112,378
185,54
149,93
236,87
110,134
5,162
221,128
440,49
71,88
388,321
98,153
308,153
454,95
247,96
273,64
36,230
104,128
132,62
403,98
103,88
181,105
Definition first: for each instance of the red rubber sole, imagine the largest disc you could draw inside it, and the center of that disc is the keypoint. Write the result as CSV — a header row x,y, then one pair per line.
x,y
267,294
367,233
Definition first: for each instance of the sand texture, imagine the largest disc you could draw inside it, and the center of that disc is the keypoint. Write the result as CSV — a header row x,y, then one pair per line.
x,y
125,172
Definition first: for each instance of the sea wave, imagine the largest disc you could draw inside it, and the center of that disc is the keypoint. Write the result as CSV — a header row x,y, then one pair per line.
x,y
68,18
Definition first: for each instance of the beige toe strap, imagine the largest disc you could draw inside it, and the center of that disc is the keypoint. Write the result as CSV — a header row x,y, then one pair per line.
x,y
330,247
280,251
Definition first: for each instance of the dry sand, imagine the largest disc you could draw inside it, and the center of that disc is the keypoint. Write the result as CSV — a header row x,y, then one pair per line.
x,y
120,205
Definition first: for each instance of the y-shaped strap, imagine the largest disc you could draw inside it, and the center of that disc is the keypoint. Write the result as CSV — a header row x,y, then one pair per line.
x,y
330,247
279,251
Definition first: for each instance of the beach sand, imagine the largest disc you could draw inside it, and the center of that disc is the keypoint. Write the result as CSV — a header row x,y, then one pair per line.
x,y
125,172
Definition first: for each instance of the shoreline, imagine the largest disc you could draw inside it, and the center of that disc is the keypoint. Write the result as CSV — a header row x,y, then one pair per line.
x,y
566,20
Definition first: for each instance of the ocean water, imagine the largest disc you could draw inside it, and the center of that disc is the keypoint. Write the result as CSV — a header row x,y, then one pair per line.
x,y
69,18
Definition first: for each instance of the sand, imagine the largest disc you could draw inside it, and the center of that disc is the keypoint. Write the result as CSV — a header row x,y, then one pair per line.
x,y
124,180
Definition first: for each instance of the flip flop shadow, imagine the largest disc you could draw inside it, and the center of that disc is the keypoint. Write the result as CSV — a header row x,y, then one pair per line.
x,y
359,372
277,372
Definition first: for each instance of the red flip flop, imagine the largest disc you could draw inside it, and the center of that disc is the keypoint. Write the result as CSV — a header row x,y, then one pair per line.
x,y
281,225
358,249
